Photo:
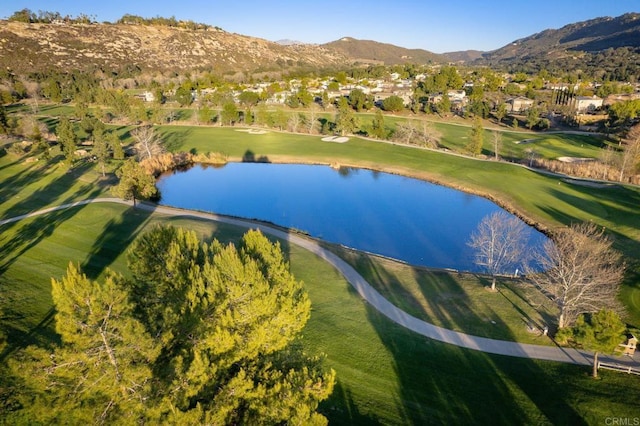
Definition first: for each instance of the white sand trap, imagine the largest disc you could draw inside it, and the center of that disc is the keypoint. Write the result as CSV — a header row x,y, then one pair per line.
x,y
575,159
590,184
252,131
338,139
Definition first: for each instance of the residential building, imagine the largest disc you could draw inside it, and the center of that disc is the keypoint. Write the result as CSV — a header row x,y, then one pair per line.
x,y
518,104
584,104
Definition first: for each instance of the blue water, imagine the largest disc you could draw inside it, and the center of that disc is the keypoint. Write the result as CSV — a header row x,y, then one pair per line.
x,y
403,218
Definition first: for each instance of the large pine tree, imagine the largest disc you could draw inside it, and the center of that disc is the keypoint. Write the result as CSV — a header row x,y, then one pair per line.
x,y
201,334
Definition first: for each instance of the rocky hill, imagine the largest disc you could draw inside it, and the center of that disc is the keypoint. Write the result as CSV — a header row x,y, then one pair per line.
x,y
27,48
590,36
369,51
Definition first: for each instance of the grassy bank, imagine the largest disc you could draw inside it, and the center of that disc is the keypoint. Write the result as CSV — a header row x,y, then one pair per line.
x,y
386,374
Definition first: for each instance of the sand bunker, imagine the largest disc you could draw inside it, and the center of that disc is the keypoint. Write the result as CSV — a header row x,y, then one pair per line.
x,y
575,159
590,184
338,139
252,131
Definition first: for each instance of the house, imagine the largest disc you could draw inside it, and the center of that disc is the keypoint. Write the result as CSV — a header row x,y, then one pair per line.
x,y
146,96
584,104
457,95
518,104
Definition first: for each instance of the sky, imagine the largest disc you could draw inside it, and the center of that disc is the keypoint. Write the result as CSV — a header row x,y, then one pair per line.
x,y
435,25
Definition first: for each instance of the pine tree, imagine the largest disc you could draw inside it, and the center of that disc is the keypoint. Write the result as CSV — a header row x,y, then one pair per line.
x,y
346,121
377,126
135,183
68,139
200,334
115,145
600,332
101,372
476,138
230,316
101,150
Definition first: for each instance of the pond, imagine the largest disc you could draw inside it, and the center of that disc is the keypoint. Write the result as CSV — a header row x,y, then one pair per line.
x,y
390,215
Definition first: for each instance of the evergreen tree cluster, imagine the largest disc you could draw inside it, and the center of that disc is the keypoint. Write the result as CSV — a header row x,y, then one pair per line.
x,y
201,334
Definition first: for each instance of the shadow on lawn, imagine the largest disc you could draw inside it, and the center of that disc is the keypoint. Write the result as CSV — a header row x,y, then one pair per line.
x,y
35,230
174,139
442,384
43,333
613,205
21,236
116,236
617,205
25,235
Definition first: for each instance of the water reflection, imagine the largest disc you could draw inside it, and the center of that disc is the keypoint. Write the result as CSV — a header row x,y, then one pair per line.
x,y
407,219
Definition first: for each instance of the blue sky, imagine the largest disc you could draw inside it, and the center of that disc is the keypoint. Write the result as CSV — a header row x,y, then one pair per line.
x,y
439,26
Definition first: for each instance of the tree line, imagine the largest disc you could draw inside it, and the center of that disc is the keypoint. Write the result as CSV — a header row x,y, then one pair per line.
x,y
48,17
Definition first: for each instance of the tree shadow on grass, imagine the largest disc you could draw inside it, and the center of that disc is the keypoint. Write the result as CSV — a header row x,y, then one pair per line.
x,y
32,231
41,334
341,408
116,236
250,157
444,384
618,205
622,217
174,139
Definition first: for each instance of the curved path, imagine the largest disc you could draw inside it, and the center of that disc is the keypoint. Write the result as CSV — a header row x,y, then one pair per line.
x,y
372,296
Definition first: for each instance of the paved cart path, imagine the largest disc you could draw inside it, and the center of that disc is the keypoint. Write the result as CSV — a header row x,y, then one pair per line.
x,y
372,296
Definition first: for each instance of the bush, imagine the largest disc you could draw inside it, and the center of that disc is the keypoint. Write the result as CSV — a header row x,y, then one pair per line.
x,y
393,103
159,164
543,124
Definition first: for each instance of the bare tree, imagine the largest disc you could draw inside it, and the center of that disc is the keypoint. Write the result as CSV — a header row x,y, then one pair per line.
x,y
294,122
312,122
580,271
417,133
607,157
499,243
148,143
631,154
497,143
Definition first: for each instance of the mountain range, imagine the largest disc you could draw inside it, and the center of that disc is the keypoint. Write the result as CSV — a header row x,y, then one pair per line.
x,y
591,36
28,48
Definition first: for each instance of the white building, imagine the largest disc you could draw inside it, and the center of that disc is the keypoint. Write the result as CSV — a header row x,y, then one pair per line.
x,y
584,104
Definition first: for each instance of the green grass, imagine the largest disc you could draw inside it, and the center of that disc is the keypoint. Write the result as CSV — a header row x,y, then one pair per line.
x,y
455,133
545,145
460,302
386,374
